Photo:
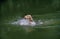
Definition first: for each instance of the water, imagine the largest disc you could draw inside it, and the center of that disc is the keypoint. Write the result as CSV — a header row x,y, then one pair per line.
x,y
47,28
51,23
25,22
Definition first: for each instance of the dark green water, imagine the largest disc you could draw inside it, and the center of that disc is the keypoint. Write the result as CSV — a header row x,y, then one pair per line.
x,y
45,31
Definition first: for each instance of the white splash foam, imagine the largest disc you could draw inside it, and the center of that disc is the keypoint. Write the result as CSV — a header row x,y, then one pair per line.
x,y
24,22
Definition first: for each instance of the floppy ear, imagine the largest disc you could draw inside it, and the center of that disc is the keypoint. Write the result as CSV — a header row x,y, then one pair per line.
x,y
31,18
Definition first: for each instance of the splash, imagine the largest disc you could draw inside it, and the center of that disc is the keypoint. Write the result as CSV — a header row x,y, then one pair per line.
x,y
35,24
24,22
